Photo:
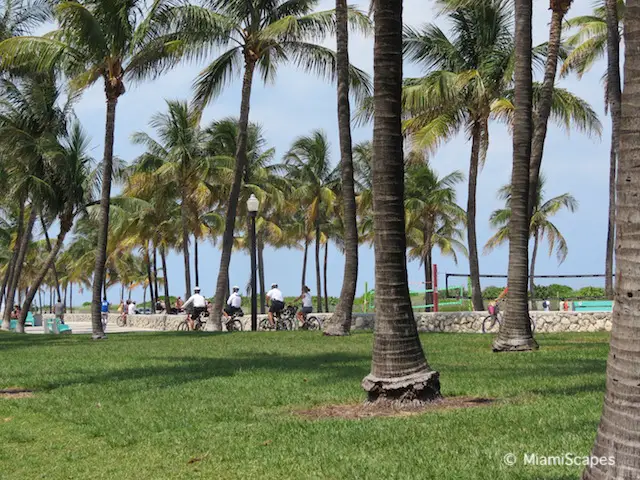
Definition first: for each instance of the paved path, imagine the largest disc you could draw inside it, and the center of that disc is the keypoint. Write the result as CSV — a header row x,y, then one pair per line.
x,y
85,327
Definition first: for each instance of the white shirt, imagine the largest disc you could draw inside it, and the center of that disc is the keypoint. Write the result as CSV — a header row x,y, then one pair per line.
x,y
275,294
197,300
132,309
307,300
235,300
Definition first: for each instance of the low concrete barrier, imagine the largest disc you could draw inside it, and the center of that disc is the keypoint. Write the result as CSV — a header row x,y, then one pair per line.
x,y
461,322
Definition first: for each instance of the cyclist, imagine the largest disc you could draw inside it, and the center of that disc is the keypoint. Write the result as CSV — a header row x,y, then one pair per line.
x,y
275,300
233,303
104,312
307,304
199,305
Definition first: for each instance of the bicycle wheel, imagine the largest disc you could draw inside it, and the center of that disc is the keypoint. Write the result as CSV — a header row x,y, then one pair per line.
x,y
489,324
183,326
121,321
264,324
234,325
313,323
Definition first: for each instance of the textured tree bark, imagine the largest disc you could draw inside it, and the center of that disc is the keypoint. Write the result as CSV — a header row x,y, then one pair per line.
x,y
532,279
6,319
559,10
615,100
318,277
261,271
474,268
515,332
324,276
167,298
340,322
154,287
184,214
147,261
232,204
304,262
399,370
618,435
103,230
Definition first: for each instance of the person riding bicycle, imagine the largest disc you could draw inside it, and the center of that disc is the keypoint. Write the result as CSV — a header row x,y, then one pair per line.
x,y
198,305
307,304
275,300
234,303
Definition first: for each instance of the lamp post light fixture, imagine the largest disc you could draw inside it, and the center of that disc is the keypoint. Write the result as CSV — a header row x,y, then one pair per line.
x,y
252,207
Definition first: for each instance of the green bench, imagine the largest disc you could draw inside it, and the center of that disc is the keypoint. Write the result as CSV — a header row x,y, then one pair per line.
x,y
30,321
62,328
593,306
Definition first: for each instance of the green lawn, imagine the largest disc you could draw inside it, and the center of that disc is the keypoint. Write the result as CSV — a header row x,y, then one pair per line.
x,y
142,406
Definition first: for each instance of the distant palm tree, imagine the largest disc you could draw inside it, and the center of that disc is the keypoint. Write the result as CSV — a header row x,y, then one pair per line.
x,y
541,225
261,35
110,41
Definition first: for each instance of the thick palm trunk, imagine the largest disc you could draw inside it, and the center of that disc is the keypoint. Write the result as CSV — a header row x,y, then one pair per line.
x,y
167,298
618,435
195,258
399,370
515,332
103,229
45,230
261,271
474,268
185,246
304,261
559,9
318,277
614,99
65,225
532,274
340,322
232,204
17,271
324,276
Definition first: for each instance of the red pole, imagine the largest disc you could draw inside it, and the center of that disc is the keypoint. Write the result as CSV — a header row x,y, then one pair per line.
x,y
435,287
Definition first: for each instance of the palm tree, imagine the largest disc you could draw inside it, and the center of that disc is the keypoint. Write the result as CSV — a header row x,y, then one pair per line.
x,y
541,227
308,164
399,370
340,322
618,435
21,17
114,42
515,332
432,216
598,33
261,35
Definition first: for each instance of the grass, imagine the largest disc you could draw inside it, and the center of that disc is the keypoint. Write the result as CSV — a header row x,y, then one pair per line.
x,y
174,406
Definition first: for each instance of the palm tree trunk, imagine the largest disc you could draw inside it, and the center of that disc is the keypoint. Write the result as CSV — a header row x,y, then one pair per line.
x,y
304,261
618,435
156,293
318,277
185,246
195,255
515,332
399,370
340,322
65,225
534,255
614,99
474,268
147,261
167,298
12,264
428,269
5,279
17,271
53,266
232,204
70,297
103,229
559,9
261,271
121,291
324,276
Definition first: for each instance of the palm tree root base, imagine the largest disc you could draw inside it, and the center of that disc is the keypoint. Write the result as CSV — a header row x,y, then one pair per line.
x,y
417,388
335,326
517,344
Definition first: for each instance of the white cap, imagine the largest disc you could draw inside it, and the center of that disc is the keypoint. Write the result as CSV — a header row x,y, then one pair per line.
x,y
197,289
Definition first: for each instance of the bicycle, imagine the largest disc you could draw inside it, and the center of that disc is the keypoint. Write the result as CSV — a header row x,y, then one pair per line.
x,y
308,322
121,321
281,323
490,321
234,324
199,322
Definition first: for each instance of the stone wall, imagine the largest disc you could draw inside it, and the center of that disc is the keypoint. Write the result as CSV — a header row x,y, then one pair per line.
x,y
463,322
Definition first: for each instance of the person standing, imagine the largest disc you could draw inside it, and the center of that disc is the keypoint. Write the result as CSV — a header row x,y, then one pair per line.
x,y
58,310
104,313
132,308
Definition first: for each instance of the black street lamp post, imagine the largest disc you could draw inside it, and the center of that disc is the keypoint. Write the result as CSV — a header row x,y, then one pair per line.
x,y
252,207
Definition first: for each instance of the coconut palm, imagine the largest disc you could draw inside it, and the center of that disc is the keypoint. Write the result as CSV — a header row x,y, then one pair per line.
x,y
399,370
515,331
114,41
541,226
433,219
618,436
21,17
599,33
261,35
308,165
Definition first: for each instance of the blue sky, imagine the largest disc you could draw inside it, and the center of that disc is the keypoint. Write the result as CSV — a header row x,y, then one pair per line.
x,y
298,103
